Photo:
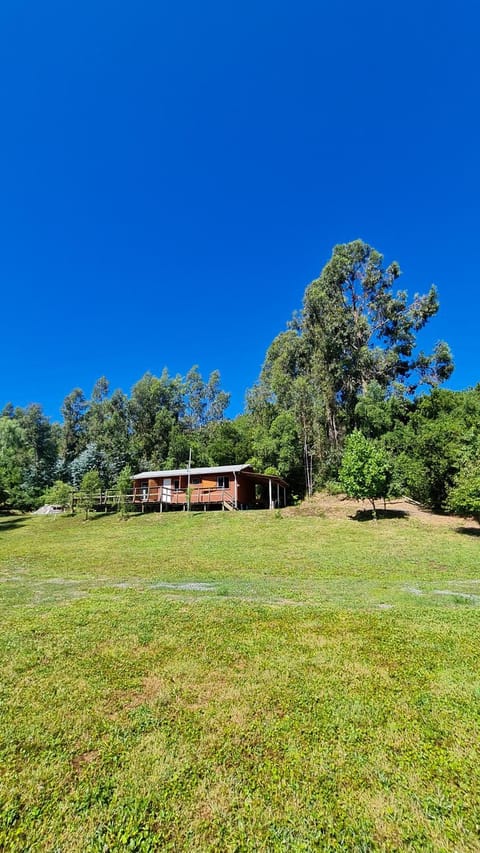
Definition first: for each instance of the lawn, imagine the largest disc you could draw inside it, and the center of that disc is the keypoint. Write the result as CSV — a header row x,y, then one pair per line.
x,y
239,682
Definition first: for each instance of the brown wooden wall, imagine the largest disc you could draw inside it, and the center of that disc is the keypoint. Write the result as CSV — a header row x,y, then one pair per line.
x,y
208,484
206,491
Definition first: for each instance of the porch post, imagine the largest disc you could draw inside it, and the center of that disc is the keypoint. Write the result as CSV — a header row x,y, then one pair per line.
x,y
269,494
278,494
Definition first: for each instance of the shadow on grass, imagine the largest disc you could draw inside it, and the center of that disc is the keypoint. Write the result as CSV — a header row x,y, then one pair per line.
x,y
468,531
113,513
98,516
12,522
382,514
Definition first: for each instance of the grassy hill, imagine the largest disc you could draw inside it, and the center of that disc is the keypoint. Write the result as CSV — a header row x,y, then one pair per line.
x,y
237,682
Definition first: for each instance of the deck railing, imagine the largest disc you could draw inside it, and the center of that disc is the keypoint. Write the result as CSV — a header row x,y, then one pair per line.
x,y
162,495
169,495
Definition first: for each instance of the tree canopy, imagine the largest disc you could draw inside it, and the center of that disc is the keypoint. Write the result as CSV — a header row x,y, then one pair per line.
x,y
464,497
366,471
350,360
354,333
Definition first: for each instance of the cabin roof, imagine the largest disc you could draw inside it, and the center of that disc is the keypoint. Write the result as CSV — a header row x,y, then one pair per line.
x,y
264,478
178,472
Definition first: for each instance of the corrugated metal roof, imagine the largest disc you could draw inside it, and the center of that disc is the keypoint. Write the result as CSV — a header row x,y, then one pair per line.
x,y
183,472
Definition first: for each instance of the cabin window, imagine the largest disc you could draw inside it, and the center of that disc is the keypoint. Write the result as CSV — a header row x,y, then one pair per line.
x,y
144,489
176,485
195,481
223,482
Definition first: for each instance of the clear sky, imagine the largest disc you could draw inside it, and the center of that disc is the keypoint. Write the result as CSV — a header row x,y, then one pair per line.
x,y
172,176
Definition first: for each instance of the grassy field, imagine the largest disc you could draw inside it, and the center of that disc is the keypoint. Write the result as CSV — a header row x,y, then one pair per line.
x,y
239,682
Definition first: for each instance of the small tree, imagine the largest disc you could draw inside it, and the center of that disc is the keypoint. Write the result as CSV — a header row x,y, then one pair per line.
x,y
89,488
188,496
365,471
60,494
464,497
123,487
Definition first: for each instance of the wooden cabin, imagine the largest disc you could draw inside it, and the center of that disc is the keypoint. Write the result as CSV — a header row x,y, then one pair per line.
x,y
225,487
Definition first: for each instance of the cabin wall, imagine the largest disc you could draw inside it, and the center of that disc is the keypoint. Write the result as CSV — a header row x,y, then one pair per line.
x,y
207,491
245,491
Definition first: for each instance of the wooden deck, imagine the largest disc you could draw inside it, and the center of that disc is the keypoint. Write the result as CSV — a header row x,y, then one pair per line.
x,y
199,496
164,498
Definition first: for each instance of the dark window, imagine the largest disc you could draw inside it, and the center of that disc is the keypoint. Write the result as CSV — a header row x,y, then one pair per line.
x,y
223,482
176,485
195,481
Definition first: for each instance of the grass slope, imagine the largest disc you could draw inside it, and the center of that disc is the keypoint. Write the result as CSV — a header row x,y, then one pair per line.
x,y
238,682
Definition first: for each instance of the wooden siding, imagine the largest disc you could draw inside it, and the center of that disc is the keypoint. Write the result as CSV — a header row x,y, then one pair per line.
x,y
207,491
250,491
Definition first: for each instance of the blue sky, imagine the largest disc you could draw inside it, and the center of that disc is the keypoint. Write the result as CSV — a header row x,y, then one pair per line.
x,y
174,175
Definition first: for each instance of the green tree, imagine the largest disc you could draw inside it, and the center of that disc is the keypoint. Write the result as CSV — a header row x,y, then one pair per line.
x,y
464,497
41,444
108,429
205,402
97,412
90,489
155,408
179,449
13,463
433,441
352,348
74,435
286,388
358,330
373,414
8,411
123,488
224,442
90,459
60,494
365,472
116,441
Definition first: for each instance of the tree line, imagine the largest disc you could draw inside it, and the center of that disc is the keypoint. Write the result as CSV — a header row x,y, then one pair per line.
x,y
346,399
152,428
345,382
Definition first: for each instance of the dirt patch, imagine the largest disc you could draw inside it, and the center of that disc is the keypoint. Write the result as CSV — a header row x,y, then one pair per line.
x,y
84,758
191,586
152,689
341,507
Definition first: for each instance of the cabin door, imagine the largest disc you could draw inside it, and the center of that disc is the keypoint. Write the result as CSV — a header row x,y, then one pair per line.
x,y
167,490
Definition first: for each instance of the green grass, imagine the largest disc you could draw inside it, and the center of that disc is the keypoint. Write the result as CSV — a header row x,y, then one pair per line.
x,y
238,682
